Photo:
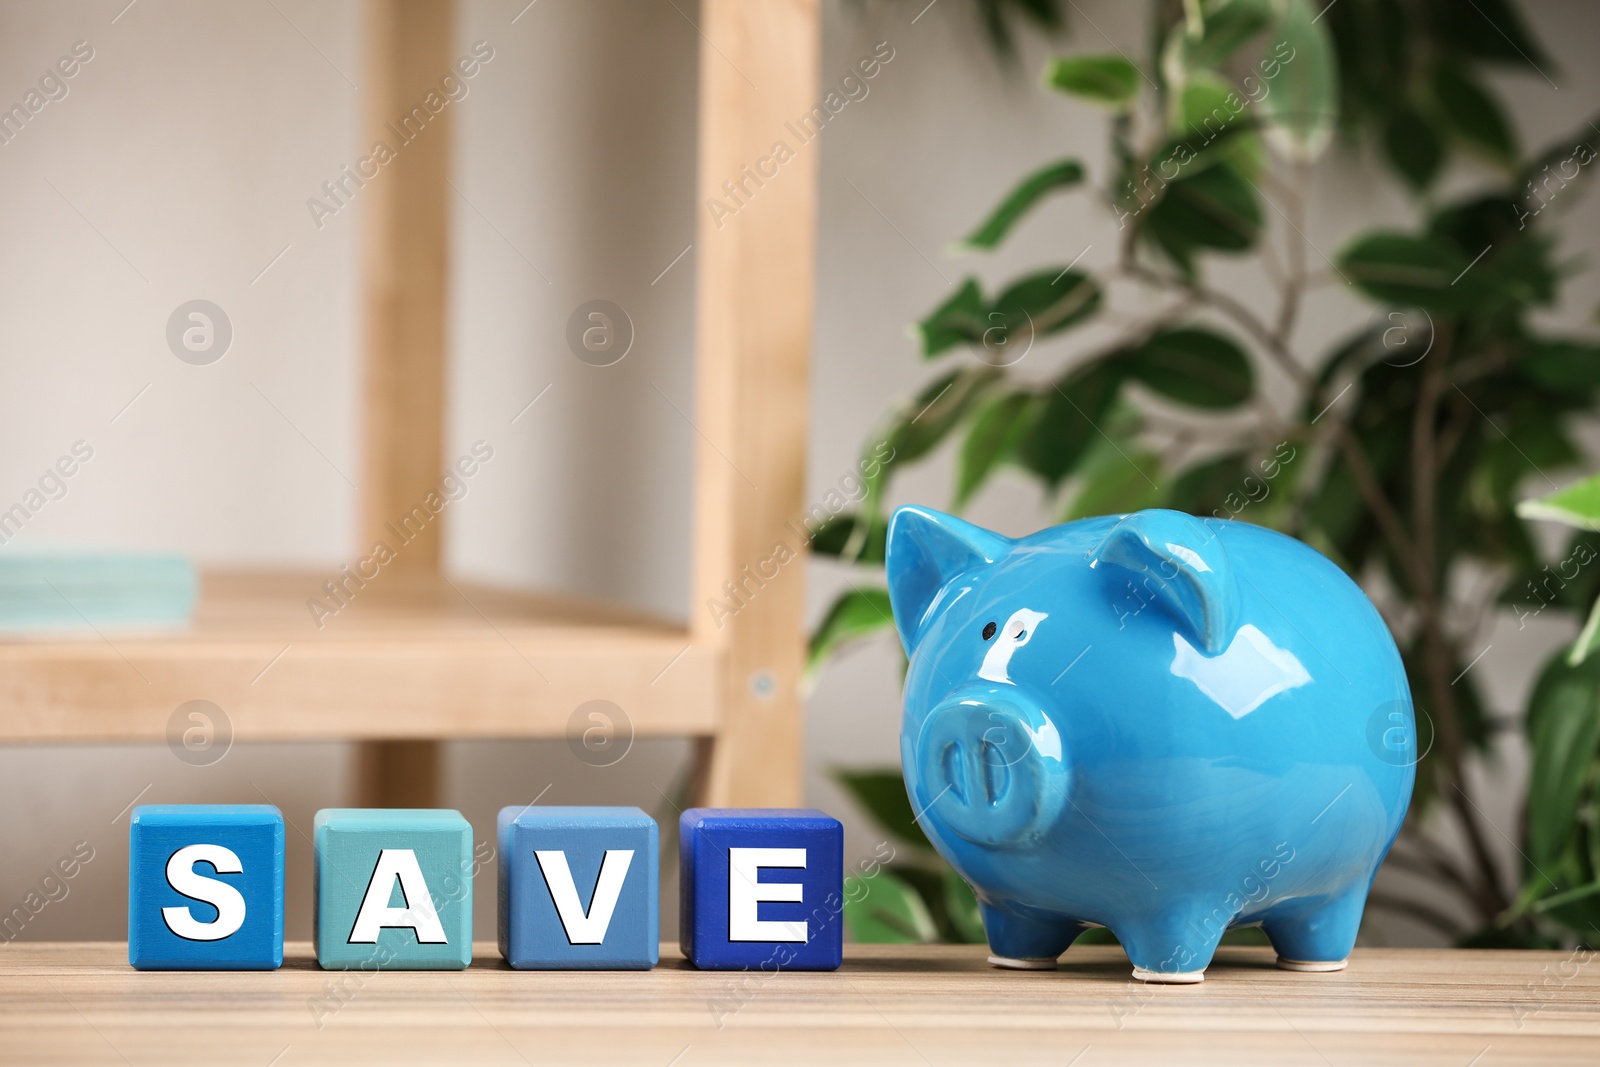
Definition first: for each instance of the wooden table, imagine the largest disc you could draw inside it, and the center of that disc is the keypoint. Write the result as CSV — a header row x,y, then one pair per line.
x,y
80,1003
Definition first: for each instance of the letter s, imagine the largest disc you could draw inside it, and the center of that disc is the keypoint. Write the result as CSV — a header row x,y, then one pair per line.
x,y
483,50
83,50
182,877
83,450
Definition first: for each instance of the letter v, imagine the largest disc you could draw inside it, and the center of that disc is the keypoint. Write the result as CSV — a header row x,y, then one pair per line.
x,y
582,929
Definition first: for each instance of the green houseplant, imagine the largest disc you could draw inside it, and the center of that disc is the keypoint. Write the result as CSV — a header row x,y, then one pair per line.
x,y
1401,452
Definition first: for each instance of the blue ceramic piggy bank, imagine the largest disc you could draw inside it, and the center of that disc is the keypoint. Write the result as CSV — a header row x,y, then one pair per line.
x,y
1160,725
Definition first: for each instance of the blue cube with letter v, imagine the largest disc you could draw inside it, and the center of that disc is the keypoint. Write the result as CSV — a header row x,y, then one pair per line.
x,y
205,887
579,888
761,887
393,889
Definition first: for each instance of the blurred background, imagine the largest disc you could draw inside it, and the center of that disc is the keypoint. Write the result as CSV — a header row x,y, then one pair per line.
x,y
179,161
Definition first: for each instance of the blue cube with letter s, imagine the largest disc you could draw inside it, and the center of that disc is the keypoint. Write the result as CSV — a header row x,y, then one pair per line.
x,y
205,887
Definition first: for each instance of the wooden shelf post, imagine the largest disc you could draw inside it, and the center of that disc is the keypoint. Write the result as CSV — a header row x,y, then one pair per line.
x,y
755,260
405,216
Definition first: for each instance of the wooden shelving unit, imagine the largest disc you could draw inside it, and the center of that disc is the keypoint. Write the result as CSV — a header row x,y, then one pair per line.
x,y
418,658
410,658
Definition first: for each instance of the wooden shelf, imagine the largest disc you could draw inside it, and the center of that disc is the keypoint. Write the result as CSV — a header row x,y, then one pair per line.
x,y
415,659
81,1003
411,656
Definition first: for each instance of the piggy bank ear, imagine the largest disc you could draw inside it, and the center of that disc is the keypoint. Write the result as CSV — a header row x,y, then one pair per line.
x,y
1182,562
926,549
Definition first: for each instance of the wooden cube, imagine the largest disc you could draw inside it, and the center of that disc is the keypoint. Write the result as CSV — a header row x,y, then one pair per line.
x,y
393,889
579,888
761,888
205,887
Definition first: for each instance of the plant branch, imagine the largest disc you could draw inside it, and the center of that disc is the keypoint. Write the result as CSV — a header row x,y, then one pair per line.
x,y
1294,291
1436,651
1366,480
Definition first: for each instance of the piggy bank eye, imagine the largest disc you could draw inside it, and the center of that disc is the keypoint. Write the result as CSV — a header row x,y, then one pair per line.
x,y
988,631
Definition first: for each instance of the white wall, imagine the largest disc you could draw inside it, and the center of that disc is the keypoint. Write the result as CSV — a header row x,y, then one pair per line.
x,y
189,145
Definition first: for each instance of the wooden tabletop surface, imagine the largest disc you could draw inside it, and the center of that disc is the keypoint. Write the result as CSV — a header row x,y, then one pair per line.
x,y
81,1003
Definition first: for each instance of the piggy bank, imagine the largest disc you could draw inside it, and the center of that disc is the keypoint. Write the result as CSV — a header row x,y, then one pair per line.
x,y
1166,726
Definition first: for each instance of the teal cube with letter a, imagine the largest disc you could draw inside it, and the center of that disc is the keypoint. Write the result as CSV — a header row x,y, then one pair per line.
x,y
393,889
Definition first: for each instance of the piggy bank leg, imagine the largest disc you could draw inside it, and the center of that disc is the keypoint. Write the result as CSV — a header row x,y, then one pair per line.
x,y
1025,939
1174,946
1317,935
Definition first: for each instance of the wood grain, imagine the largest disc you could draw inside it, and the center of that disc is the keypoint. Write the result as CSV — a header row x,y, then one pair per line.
x,y
406,223
936,1005
758,70
406,219
411,656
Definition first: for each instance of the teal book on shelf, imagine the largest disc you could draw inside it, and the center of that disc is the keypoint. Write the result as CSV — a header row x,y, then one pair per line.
x,y
58,592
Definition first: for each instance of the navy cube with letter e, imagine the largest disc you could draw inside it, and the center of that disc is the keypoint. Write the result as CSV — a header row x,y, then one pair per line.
x,y
205,887
761,888
579,888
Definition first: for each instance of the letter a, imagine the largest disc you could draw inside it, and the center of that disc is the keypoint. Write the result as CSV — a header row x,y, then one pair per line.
x,y
397,864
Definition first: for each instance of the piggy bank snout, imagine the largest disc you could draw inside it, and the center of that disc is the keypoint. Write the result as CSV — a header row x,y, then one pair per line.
x,y
991,770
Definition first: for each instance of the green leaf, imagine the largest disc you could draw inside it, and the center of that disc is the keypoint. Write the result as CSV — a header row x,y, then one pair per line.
x,y
1588,639
856,614
956,321
1564,733
1104,79
1473,114
1576,505
1518,273
1212,114
1203,107
1303,105
1556,900
1559,174
996,17
1376,44
1118,480
1204,488
1407,271
995,432
1564,365
1224,28
834,537
1065,423
1215,208
961,905
1037,305
917,428
1530,443
1488,29
882,795
1194,366
1412,147
884,910
1032,189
